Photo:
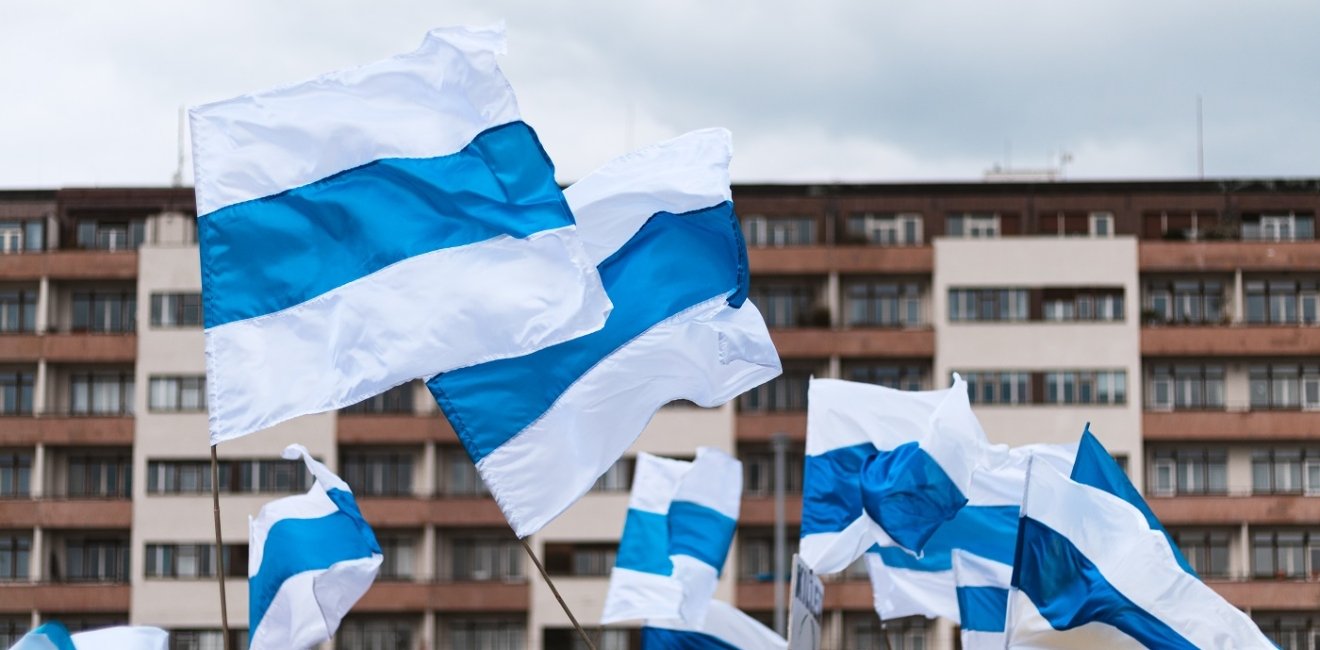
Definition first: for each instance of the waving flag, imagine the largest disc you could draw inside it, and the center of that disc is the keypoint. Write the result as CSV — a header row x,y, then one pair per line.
x,y
376,225
659,222
1090,572
726,628
54,636
982,600
680,524
311,557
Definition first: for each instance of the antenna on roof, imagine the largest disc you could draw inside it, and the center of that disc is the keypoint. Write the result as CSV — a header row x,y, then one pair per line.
x,y
178,170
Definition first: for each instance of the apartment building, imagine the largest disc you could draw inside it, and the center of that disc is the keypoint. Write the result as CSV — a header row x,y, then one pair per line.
x,y
1178,318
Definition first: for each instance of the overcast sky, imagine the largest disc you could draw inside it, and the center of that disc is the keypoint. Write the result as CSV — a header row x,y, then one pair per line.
x,y
813,90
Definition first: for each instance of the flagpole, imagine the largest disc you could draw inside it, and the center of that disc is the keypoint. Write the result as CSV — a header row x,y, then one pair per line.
x,y
219,548
545,576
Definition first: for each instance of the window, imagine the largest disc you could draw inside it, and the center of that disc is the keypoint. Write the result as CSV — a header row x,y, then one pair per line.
x,y
998,387
172,394
95,560
1284,470
580,560
1283,554
1290,630
786,304
756,553
358,633
867,632
104,311
1281,302
400,551
101,393
787,392
378,473
18,311
618,478
460,474
882,304
900,377
12,628
15,474
236,476
395,400
759,471
176,310
22,235
100,475
1207,552
1279,386
15,556
885,229
567,638
206,639
111,235
1185,302
973,226
1105,305
779,231
484,558
1190,471
487,634
194,560
1289,226
988,305
1186,387
1086,387
15,392
1102,224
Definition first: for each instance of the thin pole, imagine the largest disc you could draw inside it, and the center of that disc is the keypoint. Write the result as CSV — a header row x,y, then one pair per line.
x,y
779,442
219,549
544,576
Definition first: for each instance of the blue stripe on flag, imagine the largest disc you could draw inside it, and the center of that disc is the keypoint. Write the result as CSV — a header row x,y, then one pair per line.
x,y
297,545
982,609
987,531
831,496
272,253
1095,467
1070,592
700,532
54,632
659,638
674,261
645,543
909,494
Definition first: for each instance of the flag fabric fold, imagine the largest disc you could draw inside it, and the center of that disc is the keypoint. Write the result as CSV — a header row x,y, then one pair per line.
x,y
52,635
1090,572
311,557
543,427
725,628
676,538
376,225
982,587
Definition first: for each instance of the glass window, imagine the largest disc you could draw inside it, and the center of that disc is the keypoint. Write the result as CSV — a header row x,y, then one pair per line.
x,y
459,474
759,471
100,475
972,225
104,311
101,393
18,311
618,478
378,473
236,476
899,377
397,400
95,560
884,229
487,557
778,231
1206,551
1285,302
787,392
400,552
168,394
15,474
15,393
988,304
15,556
359,633
882,304
176,309
787,304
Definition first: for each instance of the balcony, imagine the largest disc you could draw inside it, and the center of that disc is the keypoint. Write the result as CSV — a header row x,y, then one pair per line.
x,y
390,597
410,512
801,260
1162,257
82,598
842,594
70,265
759,427
1256,509
77,348
67,513
1270,594
760,511
393,429
817,343
1230,341
1228,426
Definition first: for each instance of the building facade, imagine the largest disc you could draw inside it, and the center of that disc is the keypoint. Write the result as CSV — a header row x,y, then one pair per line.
x,y
1178,318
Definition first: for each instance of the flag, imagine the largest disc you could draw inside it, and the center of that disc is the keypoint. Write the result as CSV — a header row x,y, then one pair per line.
x,y
676,537
1090,572
982,600
310,558
53,635
376,225
543,427
726,628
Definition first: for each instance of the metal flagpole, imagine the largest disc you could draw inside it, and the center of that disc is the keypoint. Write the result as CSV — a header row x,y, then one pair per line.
x,y
219,548
544,576
779,443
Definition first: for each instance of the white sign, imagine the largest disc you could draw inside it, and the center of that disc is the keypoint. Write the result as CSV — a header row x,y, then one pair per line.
x,y
805,609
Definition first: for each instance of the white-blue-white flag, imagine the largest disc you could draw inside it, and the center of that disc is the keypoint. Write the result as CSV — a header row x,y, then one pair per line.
x,y
659,222
376,225
676,537
310,558
726,628
1090,572
53,635
982,599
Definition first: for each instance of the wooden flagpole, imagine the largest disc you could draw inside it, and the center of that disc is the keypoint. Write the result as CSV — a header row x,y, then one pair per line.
x,y
544,576
219,548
